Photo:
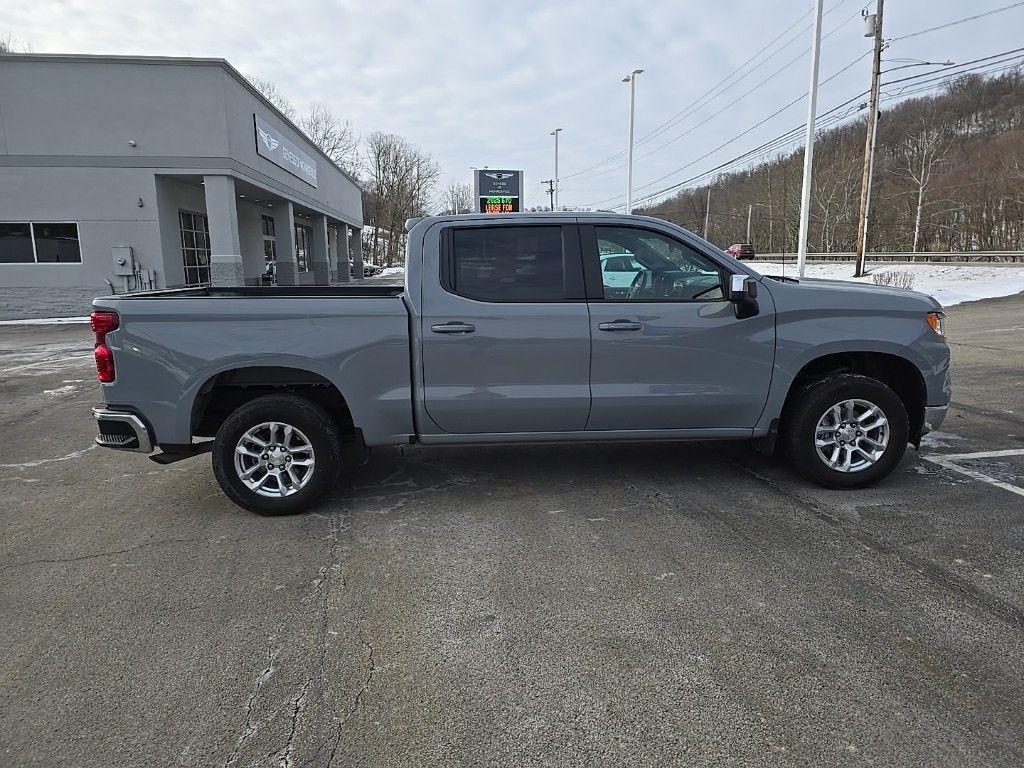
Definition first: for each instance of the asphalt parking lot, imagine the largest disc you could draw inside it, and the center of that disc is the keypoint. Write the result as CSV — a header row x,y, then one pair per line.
x,y
657,604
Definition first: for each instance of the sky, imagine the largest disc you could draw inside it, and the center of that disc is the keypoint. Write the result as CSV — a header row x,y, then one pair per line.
x,y
484,84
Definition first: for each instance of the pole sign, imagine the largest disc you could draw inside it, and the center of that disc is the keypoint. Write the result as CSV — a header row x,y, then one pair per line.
x,y
497,191
271,144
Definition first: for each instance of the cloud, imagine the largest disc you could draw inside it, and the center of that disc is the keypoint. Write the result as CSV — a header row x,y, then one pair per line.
x,y
482,83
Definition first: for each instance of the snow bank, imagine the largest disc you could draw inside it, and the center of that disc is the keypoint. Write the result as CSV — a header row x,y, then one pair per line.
x,y
47,321
949,284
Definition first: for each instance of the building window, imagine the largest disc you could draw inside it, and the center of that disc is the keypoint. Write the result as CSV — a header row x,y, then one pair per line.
x,y
195,247
39,243
303,238
269,238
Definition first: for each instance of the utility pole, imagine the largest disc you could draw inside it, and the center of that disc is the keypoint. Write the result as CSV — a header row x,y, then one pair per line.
x,y
812,101
707,213
631,79
555,198
869,141
551,191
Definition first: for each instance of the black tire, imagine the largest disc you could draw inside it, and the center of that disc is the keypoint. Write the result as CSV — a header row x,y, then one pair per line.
x,y
810,404
304,415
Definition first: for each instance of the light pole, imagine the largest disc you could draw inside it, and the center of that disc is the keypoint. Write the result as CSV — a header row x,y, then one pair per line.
x,y
812,100
631,79
555,134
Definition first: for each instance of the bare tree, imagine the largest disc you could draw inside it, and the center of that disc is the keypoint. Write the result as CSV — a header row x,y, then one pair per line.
x,y
273,94
948,177
9,44
400,182
334,136
457,198
834,195
919,155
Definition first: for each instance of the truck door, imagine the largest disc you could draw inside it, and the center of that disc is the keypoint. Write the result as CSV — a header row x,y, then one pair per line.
x,y
668,349
505,329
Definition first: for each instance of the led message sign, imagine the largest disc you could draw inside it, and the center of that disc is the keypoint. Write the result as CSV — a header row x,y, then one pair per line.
x,y
498,191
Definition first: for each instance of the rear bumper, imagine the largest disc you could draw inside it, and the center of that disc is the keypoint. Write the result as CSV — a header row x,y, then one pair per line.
x,y
934,415
122,431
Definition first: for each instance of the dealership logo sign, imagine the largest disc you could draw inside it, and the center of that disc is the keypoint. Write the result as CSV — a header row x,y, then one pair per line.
x,y
269,140
278,149
500,175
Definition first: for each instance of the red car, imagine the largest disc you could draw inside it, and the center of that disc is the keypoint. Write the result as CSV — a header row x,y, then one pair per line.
x,y
741,250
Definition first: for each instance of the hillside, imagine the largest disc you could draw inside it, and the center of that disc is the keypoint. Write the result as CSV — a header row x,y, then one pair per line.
x,y
949,176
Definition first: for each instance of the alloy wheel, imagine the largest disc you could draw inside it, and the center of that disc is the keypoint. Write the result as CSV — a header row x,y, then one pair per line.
x,y
274,459
851,435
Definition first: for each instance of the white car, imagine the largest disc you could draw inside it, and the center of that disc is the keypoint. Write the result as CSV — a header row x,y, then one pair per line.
x,y
619,270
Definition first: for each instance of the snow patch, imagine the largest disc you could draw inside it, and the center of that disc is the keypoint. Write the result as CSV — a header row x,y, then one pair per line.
x,y
950,284
66,390
48,321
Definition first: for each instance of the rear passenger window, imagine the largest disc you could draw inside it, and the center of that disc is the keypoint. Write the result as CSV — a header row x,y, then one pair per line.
x,y
507,263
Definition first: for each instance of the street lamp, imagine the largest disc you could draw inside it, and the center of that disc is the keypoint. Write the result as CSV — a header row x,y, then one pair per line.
x,y
555,134
631,79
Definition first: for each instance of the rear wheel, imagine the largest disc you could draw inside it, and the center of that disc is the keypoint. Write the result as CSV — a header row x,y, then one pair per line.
x,y
846,431
277,455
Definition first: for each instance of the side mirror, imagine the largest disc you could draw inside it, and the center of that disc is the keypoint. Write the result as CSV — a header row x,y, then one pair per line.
x,y
743,295
742,288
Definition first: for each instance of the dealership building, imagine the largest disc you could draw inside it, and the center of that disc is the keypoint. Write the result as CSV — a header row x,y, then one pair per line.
x,y
120,174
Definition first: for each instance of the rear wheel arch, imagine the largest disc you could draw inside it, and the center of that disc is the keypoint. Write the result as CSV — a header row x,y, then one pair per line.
x,y
226,391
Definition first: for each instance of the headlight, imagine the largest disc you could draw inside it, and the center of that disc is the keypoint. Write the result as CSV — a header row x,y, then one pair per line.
x,y
937,321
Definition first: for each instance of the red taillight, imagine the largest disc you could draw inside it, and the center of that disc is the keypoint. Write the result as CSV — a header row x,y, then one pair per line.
x,y
104,363
102,324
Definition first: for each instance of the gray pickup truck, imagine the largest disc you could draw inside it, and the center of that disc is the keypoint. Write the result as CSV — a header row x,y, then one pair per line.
x,y
521,328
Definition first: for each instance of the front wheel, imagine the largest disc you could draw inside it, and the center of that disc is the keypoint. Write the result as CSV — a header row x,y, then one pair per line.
x,y
277,455
846,431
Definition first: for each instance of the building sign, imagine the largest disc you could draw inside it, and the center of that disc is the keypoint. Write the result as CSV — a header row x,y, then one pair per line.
x,y
497,191
271,144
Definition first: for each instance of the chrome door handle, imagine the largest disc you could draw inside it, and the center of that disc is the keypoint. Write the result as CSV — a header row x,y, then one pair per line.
x,y
621,325
453,327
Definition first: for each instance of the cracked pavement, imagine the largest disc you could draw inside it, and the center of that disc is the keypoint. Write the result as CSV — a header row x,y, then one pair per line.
x,y
643,604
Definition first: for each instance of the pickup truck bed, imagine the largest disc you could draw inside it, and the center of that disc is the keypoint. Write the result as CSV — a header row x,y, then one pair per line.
x,y
172,348
297,291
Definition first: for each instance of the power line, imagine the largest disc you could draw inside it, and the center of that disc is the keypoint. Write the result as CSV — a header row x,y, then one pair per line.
x,y
644,138
958,21
748,130
788,136
741,97
648,199
711,94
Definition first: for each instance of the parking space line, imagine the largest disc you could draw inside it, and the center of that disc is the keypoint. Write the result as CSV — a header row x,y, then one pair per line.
x,y
949,461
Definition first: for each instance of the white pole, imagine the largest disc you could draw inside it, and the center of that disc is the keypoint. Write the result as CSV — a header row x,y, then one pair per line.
x,y
555,134
812,99
631,79
556,169
707,213
750,212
